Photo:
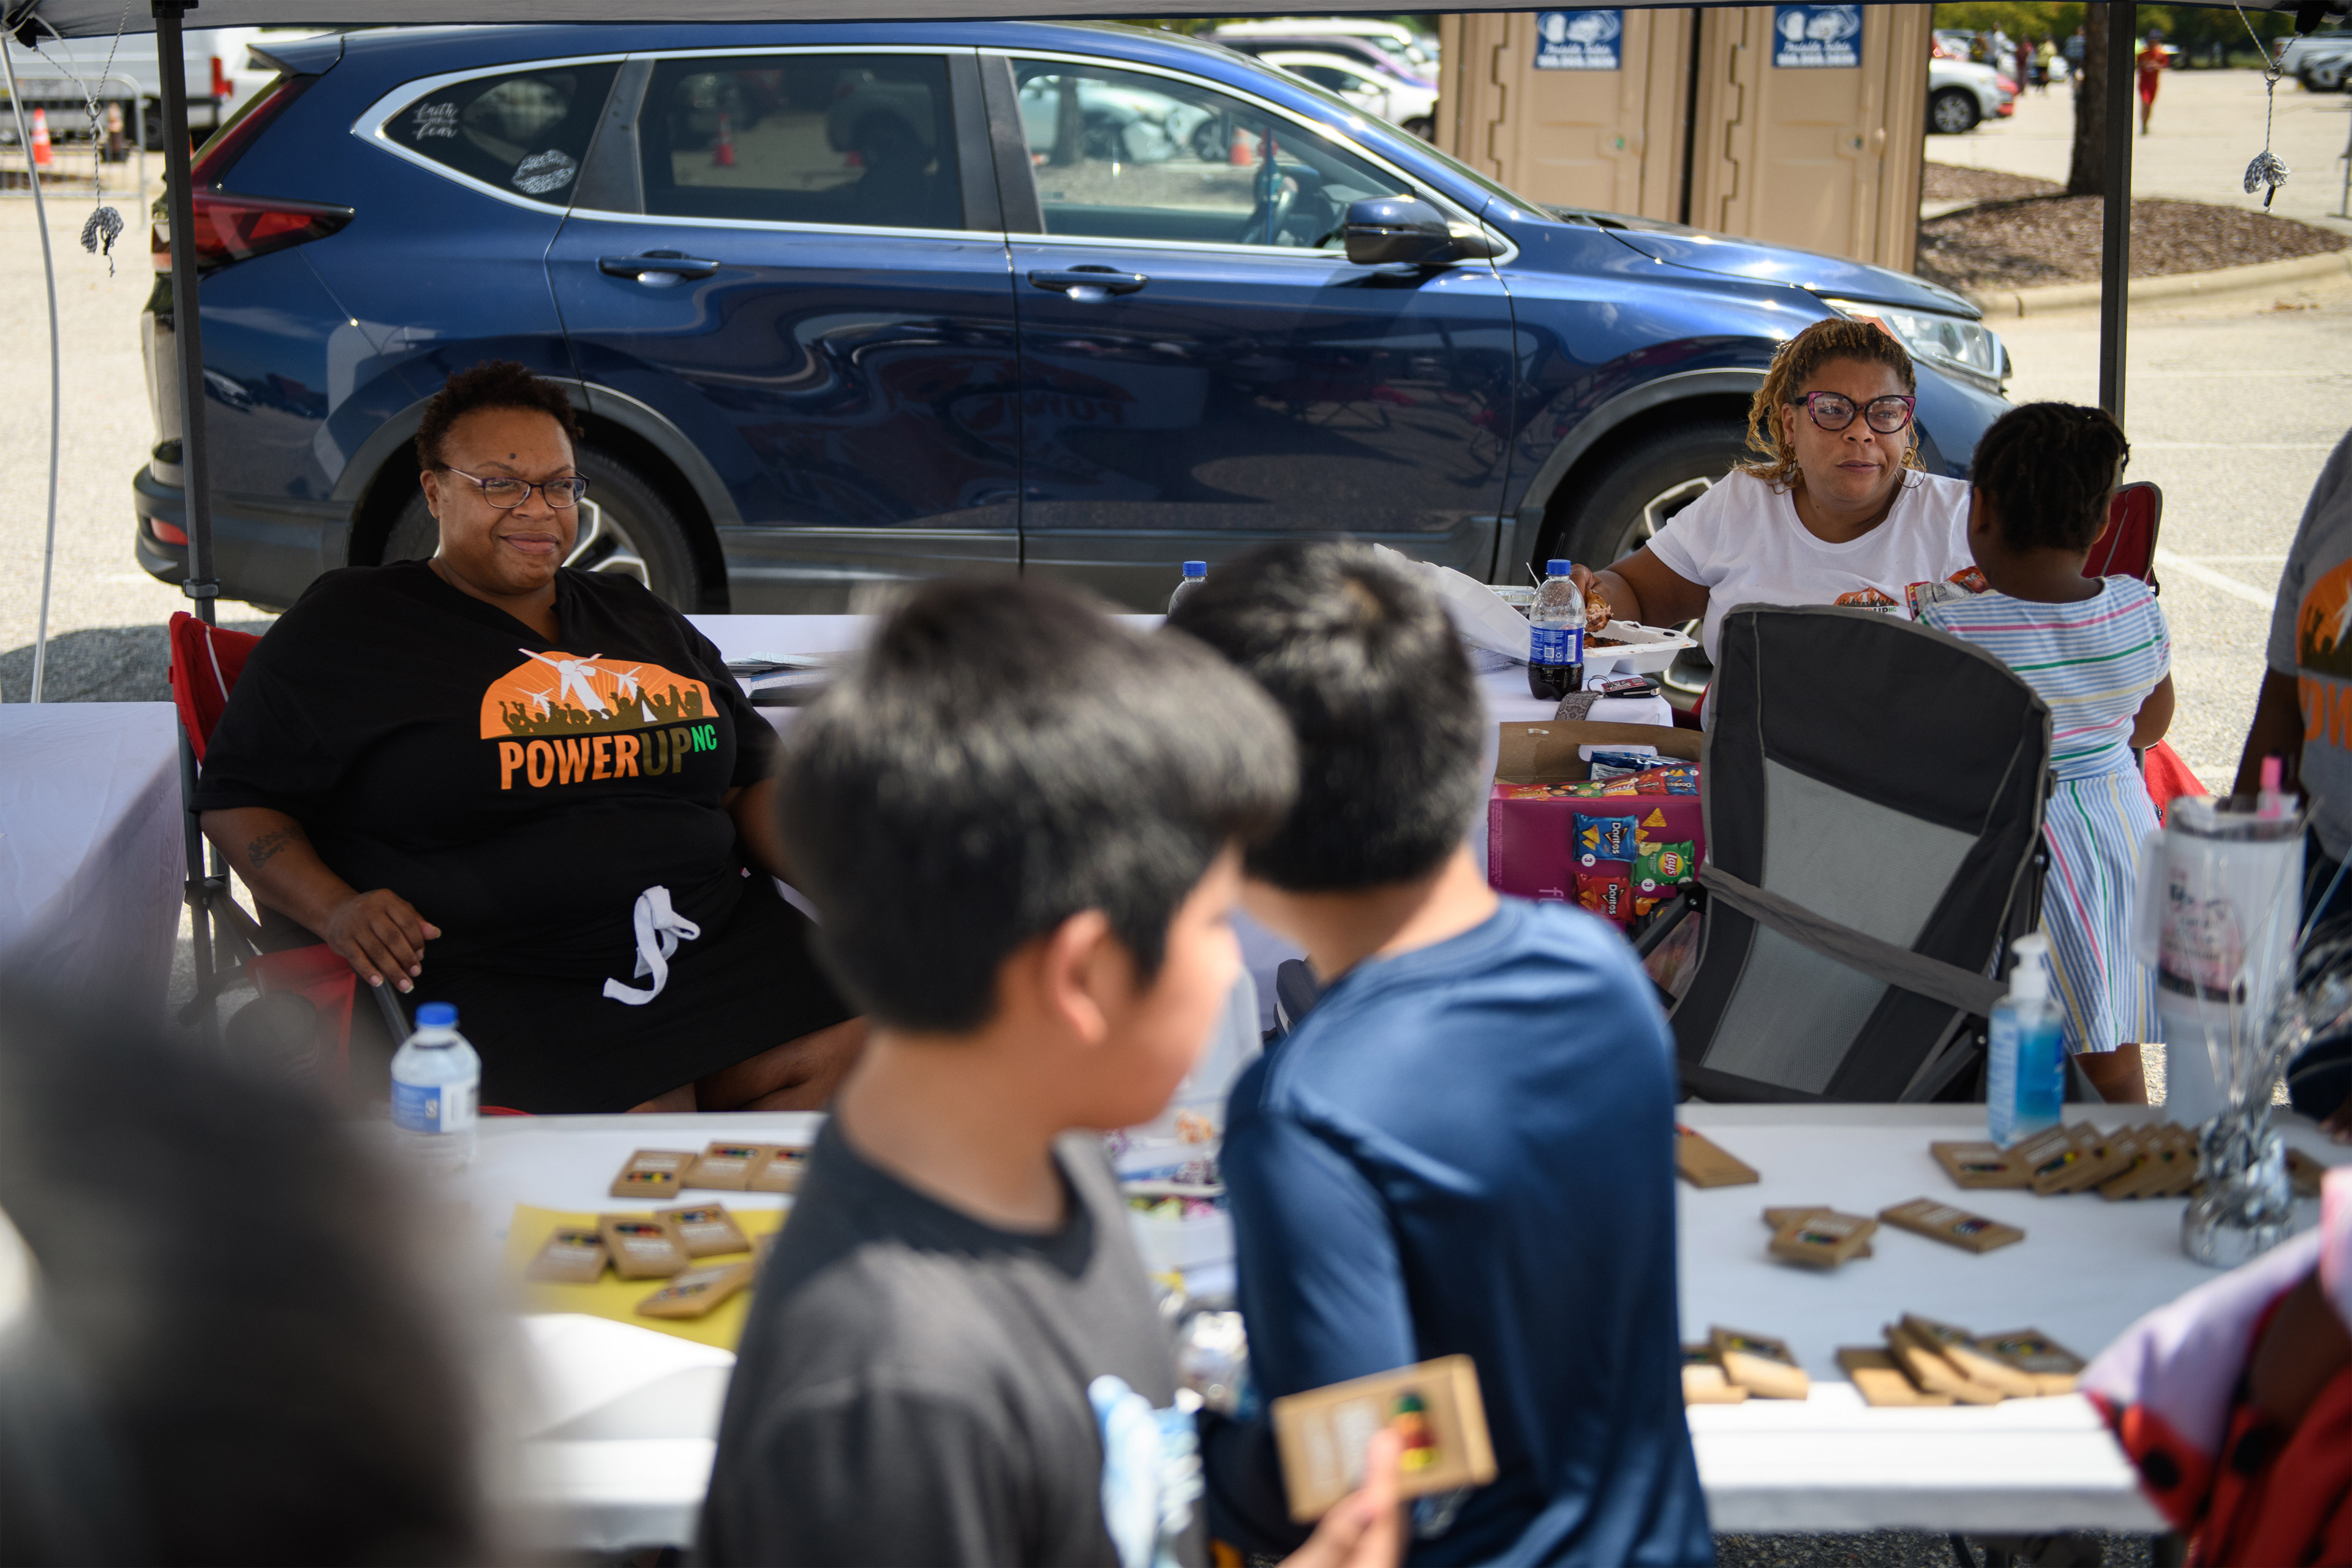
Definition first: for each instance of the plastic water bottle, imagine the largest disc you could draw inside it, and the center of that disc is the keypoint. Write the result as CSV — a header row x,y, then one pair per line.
x,y
1555,645
436,1081
1195,573
2025,1081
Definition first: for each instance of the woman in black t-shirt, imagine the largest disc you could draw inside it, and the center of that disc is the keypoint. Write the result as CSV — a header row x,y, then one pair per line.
x,y
535,793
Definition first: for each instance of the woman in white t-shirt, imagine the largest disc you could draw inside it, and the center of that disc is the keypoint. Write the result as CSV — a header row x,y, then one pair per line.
x,y
1839,512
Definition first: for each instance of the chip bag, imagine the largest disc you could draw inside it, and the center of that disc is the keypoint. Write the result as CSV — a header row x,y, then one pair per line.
x,y
1607,894
1657,866
1600,838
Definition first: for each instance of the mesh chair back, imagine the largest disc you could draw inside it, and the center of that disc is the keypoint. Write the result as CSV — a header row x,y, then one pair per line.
x,y
2126,546
1873,791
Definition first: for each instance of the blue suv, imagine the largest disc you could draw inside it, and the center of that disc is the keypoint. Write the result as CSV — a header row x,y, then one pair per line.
x,y
846,302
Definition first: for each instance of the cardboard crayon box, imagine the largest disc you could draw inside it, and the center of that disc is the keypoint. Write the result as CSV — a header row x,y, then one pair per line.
x,y
1533,847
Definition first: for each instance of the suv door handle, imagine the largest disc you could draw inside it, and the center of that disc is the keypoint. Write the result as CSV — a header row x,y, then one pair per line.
x,y
1089,285
660,267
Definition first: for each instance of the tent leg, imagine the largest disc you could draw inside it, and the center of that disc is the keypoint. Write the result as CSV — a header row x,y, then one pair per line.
x,y
187,326
2114,247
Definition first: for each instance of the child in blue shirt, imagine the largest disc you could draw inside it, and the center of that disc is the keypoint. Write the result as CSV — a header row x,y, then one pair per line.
x,y
1467,1146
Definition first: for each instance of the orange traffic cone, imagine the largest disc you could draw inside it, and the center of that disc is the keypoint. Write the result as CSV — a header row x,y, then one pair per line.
x,y
42,157
1241,157
723,148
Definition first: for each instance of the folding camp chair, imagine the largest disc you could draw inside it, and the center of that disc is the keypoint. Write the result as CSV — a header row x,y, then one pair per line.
x,y
2126,546
275,954
1874,791
206,661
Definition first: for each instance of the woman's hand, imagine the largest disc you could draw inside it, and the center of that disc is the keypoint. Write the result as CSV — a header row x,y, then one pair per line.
x,y
380,934
1642,589
377,933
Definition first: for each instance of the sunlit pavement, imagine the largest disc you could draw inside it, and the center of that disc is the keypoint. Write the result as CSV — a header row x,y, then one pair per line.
x,y
2207,128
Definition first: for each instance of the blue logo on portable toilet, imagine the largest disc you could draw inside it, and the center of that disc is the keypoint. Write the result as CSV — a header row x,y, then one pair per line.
x,y
1817,37
1579,40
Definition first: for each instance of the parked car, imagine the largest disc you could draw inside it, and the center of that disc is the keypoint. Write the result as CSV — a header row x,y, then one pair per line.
x,y
2321,62
1961,96
1398,102
1365,54
1194,305
1419,50
56,75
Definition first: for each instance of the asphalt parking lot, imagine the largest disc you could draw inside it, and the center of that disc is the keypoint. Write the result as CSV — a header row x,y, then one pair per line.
x,y
2233,409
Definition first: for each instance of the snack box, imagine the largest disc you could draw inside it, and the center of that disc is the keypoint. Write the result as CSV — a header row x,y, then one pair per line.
x,y
1531,841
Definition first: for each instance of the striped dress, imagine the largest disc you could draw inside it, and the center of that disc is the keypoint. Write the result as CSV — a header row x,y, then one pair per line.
x,y
2095,662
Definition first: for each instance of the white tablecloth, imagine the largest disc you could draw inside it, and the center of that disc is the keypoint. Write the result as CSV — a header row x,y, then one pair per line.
x,y
90,848
622,1451
2085,1270
1503,692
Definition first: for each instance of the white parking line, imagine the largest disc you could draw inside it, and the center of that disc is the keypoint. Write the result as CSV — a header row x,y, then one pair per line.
x,y
2187,567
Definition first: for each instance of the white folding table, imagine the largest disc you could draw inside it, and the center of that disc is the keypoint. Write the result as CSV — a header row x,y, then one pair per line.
x,y
624,1453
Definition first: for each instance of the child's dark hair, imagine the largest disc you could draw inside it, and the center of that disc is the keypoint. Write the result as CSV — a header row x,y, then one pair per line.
x,y
2047,470
1004,756
1362,659
493,384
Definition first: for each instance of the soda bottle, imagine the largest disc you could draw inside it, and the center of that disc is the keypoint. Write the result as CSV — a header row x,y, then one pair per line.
x,y
1556,643
1195,573
435,1081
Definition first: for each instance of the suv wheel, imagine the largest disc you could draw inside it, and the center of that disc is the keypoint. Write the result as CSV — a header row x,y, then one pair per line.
x,y
1619,509
1953,112
1423,126
624,526
2327,76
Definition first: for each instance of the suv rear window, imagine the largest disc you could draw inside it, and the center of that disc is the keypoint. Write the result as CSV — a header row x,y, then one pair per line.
x,y
858,140
524,132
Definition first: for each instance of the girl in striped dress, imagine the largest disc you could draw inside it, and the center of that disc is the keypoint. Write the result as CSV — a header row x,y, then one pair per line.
x,y
2098,652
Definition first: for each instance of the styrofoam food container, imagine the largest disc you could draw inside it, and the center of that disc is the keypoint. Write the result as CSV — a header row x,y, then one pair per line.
x,y
1646,650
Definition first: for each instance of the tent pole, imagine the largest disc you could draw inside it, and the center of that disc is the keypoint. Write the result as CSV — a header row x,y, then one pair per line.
x,y
187,328
2114,247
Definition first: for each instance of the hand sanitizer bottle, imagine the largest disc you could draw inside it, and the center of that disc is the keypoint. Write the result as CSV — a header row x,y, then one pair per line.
x,y
2025,1081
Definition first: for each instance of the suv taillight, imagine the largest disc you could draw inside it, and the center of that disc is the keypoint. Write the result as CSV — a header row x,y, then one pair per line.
x,y
231,227
234,229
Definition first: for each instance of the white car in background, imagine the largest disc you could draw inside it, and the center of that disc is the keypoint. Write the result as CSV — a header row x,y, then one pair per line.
x,y
2320,62
1403,104
1962,95
1419,49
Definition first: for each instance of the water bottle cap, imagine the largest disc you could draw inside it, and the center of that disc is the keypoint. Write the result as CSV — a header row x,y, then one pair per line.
x,y
1558,568
438,1015
1196,569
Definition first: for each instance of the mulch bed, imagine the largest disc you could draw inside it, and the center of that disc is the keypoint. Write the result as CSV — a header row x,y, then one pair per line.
x,y
1950,183
2030,237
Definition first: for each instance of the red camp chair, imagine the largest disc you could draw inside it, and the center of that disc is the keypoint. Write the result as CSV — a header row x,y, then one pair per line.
x,y
2127,547
205,663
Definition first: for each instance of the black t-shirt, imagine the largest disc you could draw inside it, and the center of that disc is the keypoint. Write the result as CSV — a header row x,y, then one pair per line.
x,y
914,1386
519,793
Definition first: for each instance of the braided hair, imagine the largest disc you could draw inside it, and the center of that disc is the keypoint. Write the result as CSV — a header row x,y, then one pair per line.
x,y
1796,363
2047,469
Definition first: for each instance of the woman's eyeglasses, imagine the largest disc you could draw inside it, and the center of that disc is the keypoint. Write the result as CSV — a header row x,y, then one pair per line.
x,y
1835,411
564,494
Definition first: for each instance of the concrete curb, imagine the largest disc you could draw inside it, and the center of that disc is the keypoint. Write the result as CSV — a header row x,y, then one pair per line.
x,y
2222,283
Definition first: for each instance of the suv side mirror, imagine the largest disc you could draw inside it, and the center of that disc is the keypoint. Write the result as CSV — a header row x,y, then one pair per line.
x,y
1383,231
